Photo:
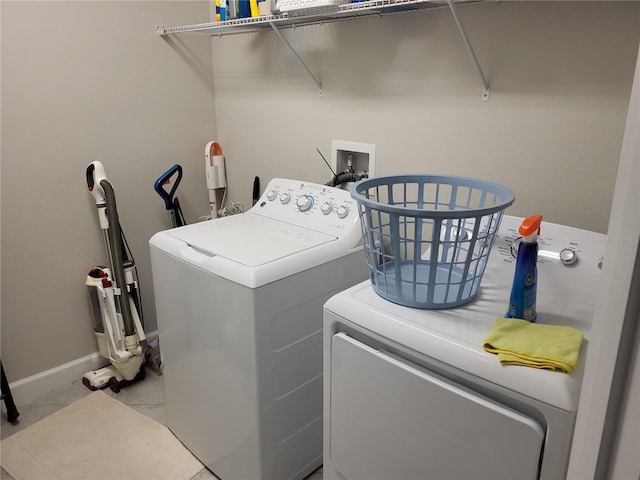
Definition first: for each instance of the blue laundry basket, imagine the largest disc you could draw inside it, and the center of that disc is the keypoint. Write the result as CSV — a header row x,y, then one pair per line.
x,y
427,238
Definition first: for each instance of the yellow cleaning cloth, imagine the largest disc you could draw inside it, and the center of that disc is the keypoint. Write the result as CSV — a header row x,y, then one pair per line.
x,y
518,342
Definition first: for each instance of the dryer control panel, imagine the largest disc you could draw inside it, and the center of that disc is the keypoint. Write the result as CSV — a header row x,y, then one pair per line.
x,y
318,207
569,259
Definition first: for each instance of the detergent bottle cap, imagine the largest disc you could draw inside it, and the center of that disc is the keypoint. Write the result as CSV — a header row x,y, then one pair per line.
x,y
530,228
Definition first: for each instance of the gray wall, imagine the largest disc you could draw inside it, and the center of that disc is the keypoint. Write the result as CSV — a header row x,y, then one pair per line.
x,y
85,81
560,77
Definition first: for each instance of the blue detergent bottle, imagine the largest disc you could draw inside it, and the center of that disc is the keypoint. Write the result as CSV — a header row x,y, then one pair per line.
x,y
522,303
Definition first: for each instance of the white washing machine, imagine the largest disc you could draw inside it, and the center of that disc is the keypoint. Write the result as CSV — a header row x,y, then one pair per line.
x,y
411,394
239,307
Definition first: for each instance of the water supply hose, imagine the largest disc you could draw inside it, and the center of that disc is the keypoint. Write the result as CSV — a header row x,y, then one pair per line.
x,y
115,241
346,177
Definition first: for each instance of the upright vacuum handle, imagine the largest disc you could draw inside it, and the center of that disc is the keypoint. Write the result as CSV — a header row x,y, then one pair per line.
x,y
164,179
95,175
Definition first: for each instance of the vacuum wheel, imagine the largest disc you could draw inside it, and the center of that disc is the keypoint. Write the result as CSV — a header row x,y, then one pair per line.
x,y
115,385
142,374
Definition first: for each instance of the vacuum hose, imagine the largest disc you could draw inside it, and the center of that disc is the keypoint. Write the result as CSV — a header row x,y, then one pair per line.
x,y
115,239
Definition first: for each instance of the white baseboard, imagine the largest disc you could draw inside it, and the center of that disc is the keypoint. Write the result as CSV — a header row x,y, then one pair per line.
x,y
26,390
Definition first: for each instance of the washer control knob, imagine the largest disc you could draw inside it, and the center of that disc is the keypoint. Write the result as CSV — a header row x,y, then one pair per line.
x,y
326,208
271,195
568,256
284,198
342,211
305,202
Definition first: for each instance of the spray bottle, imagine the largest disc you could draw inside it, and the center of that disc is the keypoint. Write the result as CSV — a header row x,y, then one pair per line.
x,y
523,292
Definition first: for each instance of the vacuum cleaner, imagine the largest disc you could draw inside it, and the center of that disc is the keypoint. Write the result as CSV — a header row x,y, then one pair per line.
x,y
114,297
167,185
216,176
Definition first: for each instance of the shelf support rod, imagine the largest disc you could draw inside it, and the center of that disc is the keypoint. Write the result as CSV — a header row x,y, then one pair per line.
x,y
315,79
467,43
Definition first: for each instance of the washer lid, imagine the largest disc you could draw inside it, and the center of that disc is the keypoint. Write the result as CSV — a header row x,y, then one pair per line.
x,y
249,239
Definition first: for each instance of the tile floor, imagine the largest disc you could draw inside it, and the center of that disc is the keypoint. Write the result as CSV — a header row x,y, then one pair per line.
x,y
146,397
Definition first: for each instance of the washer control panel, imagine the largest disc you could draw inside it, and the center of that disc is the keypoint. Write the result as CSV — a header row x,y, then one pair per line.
x,y
322,208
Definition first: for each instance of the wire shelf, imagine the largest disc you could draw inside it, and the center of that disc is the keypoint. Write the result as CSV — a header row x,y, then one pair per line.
x,y
311,16
326,14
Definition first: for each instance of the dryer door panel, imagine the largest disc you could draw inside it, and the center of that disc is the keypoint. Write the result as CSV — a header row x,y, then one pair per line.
x,y
390,419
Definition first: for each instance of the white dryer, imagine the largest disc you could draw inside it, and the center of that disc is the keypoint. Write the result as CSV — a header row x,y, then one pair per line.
x,y
411,394
239,306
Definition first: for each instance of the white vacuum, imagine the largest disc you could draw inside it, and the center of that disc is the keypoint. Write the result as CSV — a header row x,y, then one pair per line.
x,y
113,296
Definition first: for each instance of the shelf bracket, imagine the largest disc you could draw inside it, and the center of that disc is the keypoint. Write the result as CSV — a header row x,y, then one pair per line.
x,y
467,43
315,79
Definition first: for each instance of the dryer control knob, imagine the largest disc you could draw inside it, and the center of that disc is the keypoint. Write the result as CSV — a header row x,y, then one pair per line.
x,y
568,256
305,202
272,194
342,211
284,198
